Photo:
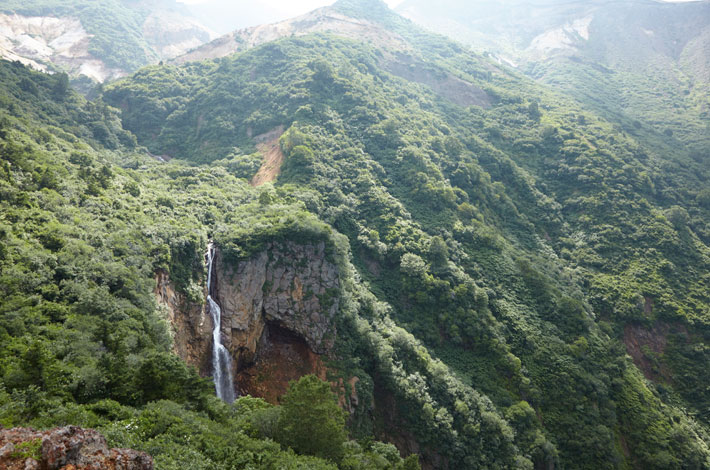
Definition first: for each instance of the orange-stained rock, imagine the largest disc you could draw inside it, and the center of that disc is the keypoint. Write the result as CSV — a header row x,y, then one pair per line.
x,y
66,448
191,324
278,311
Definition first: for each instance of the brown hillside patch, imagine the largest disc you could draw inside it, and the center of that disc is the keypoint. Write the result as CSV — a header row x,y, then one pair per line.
x,y
282,356
268,145
646,347
440,81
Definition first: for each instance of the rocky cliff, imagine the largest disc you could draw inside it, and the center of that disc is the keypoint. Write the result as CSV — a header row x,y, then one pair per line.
x,y
62,42
190,322
67,448
39,41
278,310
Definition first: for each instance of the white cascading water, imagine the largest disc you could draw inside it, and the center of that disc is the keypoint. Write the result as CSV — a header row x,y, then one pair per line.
x,y
221,360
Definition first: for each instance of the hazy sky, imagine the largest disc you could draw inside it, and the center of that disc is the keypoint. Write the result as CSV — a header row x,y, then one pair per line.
x,y
288,8
293,5
227,15
224,16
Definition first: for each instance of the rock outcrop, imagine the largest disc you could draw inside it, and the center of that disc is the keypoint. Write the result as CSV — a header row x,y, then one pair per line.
x,y
278,309
67,448
46,42
38,41
291,285
191,324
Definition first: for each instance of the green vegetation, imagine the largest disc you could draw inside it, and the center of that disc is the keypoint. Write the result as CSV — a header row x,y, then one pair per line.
x,y
84,230
311,421
496,262
28,450
512,243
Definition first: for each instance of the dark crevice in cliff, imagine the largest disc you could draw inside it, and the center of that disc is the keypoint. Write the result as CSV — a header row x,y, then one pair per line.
x,y
277,316
282,355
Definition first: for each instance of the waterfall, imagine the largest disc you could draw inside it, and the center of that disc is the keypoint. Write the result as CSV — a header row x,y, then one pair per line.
x,y
221,360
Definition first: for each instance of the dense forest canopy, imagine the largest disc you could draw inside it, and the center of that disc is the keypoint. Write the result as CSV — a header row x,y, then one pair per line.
x,y
524,281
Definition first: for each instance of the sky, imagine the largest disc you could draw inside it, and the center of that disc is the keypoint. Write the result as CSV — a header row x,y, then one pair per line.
x,y
224,16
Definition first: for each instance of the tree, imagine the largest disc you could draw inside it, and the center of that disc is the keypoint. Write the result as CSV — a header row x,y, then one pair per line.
x,y
534,111
61,86
413,265
265,198
453,146
678,216
311,421
703,198
300,164
438,254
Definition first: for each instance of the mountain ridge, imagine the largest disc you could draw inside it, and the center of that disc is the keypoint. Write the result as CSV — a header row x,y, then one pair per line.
x,y
639,62
326,19
487,271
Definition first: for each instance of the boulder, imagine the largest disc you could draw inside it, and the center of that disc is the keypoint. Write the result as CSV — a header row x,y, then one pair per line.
x,y
65,448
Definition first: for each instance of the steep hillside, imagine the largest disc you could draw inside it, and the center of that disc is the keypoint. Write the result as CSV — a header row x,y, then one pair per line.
x,y
374,232
528,243
89,226
641,64
98,40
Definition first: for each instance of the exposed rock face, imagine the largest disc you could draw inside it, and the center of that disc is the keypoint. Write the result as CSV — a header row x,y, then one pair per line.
x,y
282,356
45,41
646,347
172,34
277,314
40,40
192,326
291,285
268,145
65,448
278,310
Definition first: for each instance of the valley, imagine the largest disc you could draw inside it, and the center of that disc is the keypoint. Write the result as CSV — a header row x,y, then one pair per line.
x,y
364,245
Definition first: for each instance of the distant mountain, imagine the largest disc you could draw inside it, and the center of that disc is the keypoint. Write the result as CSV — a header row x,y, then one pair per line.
x,y
98,40
324,20
644,63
